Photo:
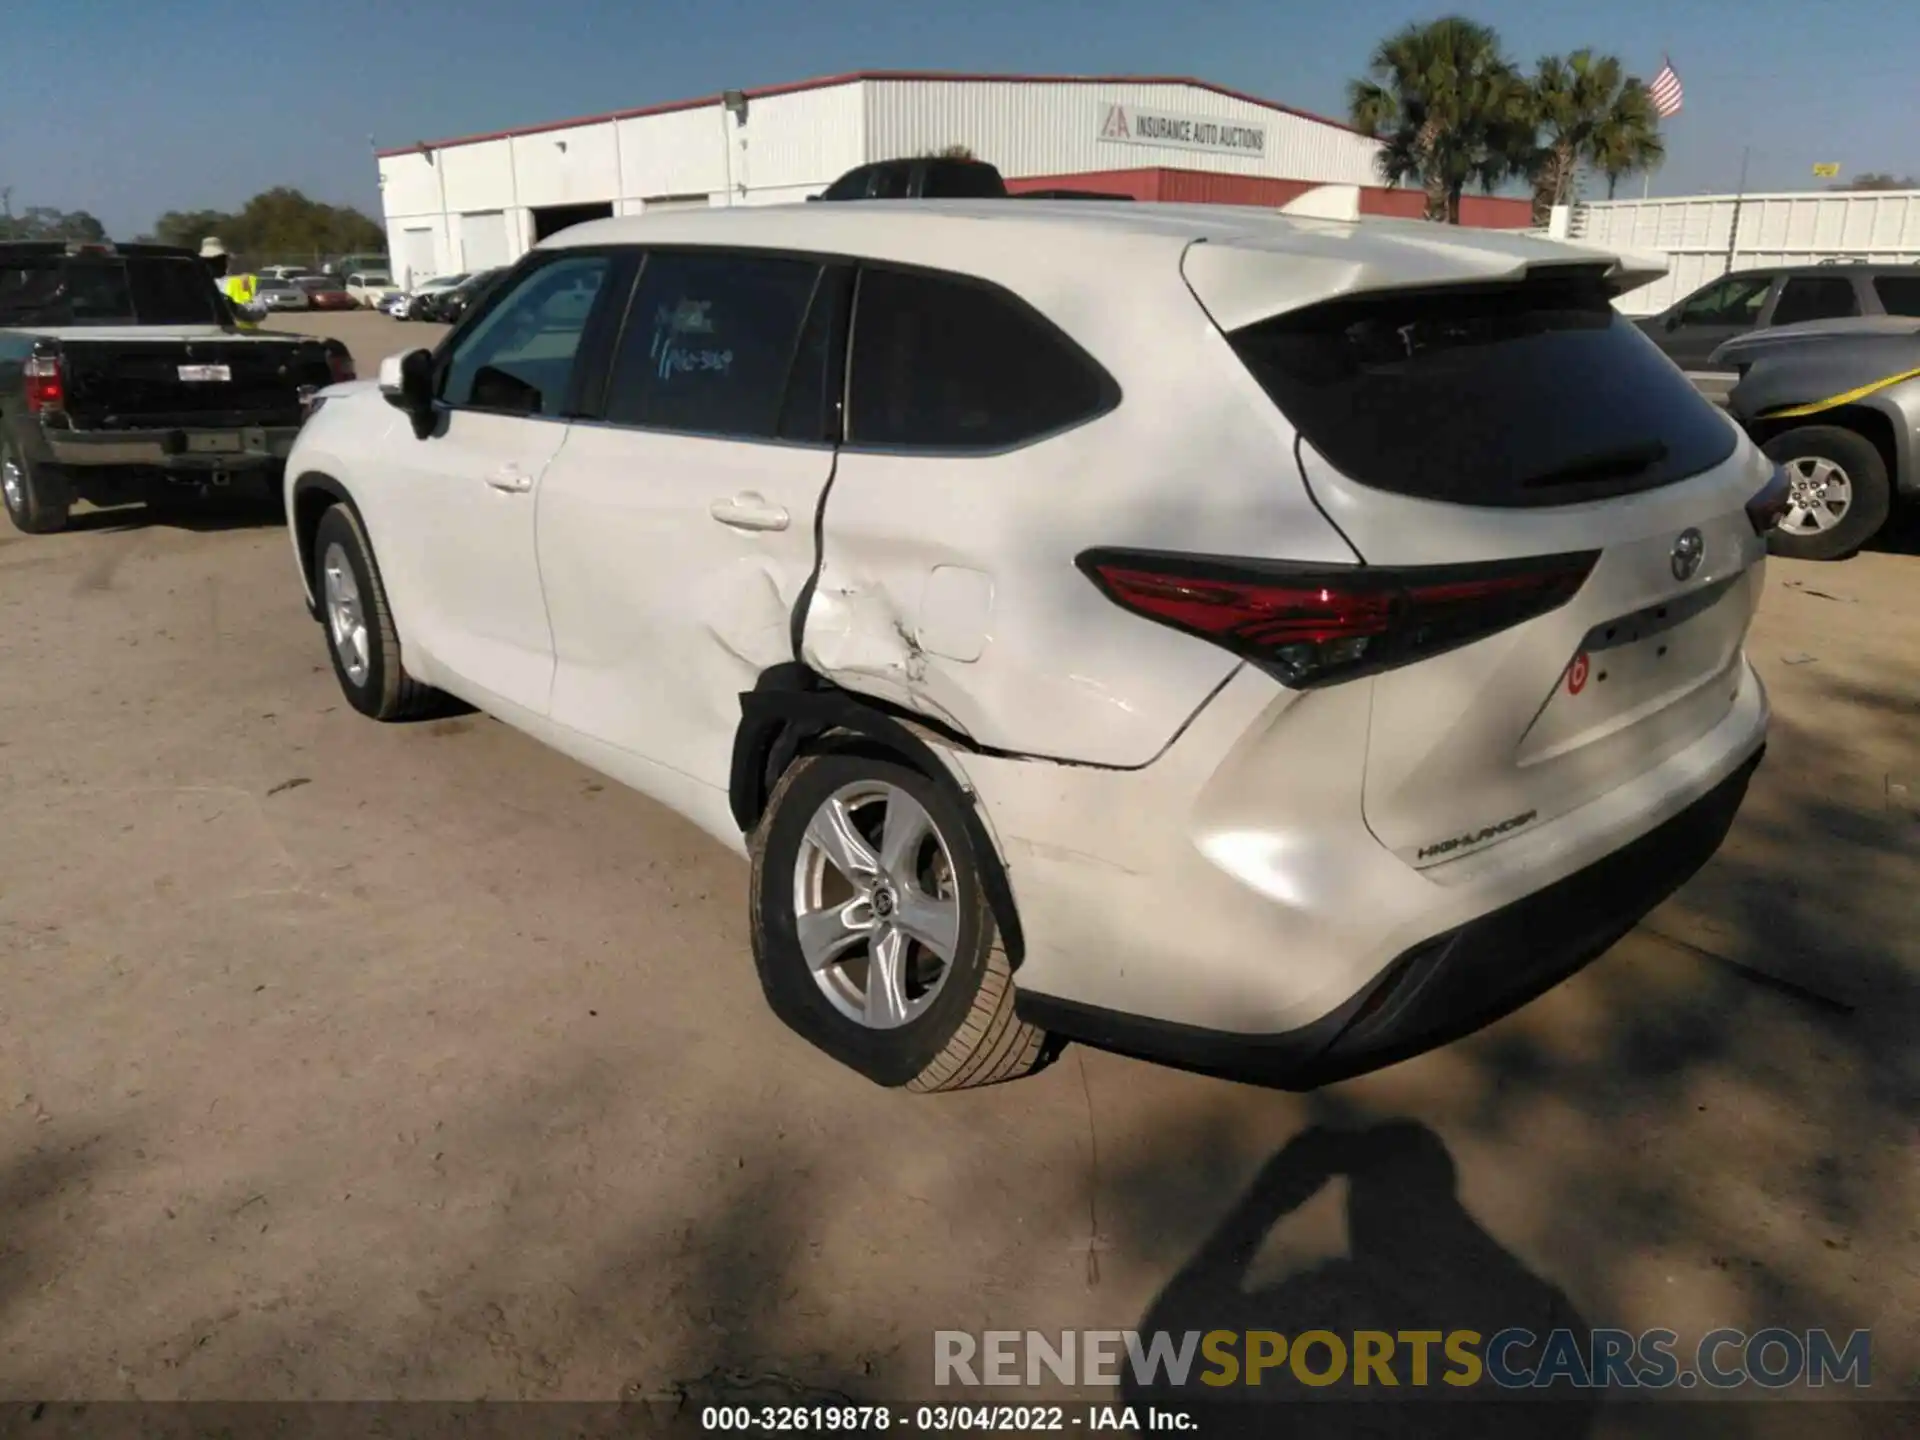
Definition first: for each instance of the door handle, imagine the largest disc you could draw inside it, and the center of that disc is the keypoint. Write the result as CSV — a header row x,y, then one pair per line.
x,y
512,479
748,512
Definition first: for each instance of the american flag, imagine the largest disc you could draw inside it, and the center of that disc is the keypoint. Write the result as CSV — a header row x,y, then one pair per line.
x,y
1665,91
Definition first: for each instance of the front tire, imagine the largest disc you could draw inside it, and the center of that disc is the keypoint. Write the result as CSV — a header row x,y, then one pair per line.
x,y
1839,491
37,498
872,932
361,638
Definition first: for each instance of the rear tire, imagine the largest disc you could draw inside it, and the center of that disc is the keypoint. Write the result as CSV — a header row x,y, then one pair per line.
x,y
361,638
1839,477
947,1026
37,498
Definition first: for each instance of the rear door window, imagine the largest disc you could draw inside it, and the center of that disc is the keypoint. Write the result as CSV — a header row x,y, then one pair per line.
x,y
946,363
710,341
1899,294
1521,395
1815,297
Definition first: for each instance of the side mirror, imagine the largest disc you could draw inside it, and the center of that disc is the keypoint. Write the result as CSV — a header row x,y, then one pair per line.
x,y
407,382
1672,322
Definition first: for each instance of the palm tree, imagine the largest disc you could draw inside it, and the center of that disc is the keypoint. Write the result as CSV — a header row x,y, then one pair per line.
x,y
1448,109
1587,112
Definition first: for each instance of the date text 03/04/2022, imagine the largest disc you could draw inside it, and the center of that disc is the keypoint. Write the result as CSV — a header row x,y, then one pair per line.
x,y
943,1419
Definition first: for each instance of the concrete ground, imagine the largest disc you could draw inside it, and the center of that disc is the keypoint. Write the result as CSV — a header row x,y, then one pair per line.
x,y
342,1060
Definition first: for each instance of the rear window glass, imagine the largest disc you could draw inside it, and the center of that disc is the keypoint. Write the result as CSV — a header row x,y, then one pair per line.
x,y
1899,294
135,290
1535,394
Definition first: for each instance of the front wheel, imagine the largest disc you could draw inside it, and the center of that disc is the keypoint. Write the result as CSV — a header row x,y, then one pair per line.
x,y
1838,494
360,634
872,932
37,499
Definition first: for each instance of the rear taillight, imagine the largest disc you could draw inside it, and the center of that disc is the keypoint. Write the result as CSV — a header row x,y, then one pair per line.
x,y
1318,625
1770,503
46,384
340,365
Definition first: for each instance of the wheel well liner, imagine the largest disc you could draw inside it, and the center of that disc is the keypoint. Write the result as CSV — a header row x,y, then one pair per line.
x,y
313,495
789,707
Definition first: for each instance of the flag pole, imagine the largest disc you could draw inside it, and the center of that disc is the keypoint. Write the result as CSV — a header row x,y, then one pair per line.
x,y
1733,231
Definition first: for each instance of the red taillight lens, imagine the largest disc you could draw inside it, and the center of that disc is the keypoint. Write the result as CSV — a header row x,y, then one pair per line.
x,y
46,384
1765,508
1318,625
340,364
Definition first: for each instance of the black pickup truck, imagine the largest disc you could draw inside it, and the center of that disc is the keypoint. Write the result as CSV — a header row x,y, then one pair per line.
x,y
124,376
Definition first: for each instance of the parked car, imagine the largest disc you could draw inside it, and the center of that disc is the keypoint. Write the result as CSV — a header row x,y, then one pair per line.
x,y
271,295
123,377
1837,403
371,289
325,293
1690,330
284,272
1003,600
416,305
394,306
341,266
449,305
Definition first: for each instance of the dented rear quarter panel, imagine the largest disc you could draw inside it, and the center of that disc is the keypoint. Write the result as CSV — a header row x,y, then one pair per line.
x,y
947,581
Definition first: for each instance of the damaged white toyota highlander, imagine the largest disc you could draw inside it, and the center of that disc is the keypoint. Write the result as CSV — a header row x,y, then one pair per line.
x,y
1272,646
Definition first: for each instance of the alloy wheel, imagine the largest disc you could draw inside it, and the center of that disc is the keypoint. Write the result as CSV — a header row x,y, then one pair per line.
x,y
1819,494
876,904
346,618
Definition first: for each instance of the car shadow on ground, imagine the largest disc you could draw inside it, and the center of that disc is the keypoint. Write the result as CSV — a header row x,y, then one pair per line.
x,y
1901,534
200,516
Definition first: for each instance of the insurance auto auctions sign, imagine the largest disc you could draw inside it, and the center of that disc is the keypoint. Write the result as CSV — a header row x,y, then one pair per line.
x,y
1130,125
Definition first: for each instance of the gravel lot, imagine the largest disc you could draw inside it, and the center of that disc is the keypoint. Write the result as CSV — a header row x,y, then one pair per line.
x,y
342,1060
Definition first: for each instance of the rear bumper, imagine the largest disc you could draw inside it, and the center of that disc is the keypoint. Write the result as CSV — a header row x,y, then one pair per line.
x,y
184,449
1446,986
1228,901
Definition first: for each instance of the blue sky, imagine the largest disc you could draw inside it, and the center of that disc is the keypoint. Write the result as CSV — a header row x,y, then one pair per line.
x,y
130,107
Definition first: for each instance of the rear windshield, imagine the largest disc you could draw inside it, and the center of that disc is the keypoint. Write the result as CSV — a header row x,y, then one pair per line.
x,y
107,290
1521,395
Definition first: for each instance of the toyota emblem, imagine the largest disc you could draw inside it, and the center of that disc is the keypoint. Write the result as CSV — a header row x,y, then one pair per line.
x,y
1687,553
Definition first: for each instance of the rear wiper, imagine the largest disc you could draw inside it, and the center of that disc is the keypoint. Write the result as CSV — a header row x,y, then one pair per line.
x,y
1607,465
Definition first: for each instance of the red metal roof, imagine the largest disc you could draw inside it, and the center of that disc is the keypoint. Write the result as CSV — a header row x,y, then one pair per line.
x,y
824,82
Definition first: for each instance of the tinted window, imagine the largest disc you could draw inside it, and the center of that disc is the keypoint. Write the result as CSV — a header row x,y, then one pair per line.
x,y
1538,394
811,410
520,356
1734,301
709,342
1899,294
942,363
1815,298
138,290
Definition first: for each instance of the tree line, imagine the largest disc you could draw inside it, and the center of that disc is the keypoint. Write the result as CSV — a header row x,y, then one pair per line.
x,y
277,224
1451,110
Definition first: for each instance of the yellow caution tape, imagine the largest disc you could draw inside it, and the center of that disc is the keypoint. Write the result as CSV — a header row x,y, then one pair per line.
x,y
1845,397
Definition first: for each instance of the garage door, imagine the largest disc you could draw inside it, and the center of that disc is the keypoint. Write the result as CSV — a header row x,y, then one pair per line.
x,y
483,240
416,256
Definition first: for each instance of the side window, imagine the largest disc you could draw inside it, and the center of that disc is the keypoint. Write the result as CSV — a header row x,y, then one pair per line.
x,y
519,358
1734,301
709,343
1899,294
941,363
1807,297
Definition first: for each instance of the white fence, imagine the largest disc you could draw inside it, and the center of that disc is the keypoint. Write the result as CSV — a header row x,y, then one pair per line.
x,y
1697,234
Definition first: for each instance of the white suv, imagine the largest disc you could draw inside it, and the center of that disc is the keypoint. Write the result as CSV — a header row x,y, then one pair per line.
x,y
1271,646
